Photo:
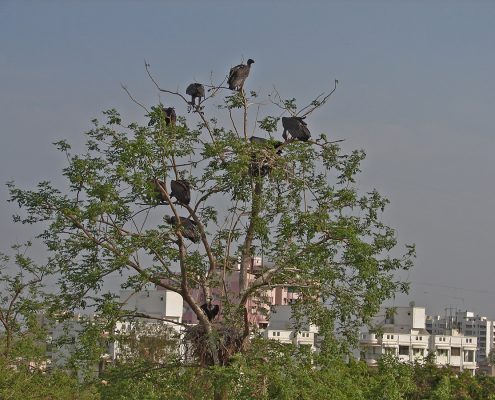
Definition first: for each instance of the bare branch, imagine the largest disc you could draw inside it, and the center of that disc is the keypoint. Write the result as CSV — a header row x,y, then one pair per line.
x,y
147,316
133,99
317,103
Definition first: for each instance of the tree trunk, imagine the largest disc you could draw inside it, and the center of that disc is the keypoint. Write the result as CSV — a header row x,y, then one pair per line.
x,y
8,342
248,241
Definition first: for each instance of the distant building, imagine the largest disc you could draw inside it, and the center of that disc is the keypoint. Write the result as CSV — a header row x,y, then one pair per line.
x,y
403,334
151,338
468,324
62,338
281,327
258,306
157,303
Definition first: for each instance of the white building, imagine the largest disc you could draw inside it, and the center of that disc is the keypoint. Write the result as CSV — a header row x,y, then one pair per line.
x,y
404,335
470,325
62,338
161,305
165,309
157,303
281,327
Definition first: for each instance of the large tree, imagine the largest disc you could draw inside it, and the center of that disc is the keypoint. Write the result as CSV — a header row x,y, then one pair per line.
x,y
295,202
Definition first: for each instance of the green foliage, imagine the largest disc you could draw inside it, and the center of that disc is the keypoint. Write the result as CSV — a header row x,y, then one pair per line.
x,y
21,382
274,371
21,301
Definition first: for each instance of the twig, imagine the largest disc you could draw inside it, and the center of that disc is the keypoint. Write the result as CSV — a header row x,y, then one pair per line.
x,y
133,99
316,103
143,315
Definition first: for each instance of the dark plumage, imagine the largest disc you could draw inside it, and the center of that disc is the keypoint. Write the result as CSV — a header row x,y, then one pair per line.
x,y
170,116
158,197
260,161
296,127
169,113
238,75
189,227
210,310
195,90
181,190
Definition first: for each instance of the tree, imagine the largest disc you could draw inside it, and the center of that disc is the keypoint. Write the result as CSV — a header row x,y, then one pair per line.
x,y
294,202
22,298
491,358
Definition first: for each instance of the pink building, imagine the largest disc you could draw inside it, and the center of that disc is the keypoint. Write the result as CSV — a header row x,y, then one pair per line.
x,y
258,307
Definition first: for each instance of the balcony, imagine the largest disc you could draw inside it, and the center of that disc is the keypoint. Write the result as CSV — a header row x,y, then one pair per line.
x,y
370,338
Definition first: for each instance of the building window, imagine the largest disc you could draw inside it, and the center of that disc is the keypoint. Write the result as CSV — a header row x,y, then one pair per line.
x,y
403,350
274,334
390,350
442,352
418,352
469,355
455,352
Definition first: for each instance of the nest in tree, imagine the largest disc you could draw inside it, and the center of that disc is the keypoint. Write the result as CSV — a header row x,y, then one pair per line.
x,y
223,342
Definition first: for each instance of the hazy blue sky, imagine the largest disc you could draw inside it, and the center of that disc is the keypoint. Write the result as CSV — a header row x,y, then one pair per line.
x,y
417,92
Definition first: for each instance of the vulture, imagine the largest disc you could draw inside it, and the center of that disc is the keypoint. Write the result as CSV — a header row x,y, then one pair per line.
x,y
181,190
259,163
189,227
195,90
210,310
238,75
158,197
296,127
170,116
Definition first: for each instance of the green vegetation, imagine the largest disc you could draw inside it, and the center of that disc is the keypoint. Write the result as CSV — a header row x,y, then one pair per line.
x,y
295,202
267,371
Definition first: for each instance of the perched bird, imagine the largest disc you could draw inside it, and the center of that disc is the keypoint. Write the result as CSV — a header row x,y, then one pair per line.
x,y
210,310
260,161
296,127
238,75
169,113
195,90
170,116
158,197
189,227
181,190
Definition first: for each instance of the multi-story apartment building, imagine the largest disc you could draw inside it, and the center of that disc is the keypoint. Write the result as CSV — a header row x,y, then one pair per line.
x,y
165,308
258,306
468,324
156,303
281,327
402,333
